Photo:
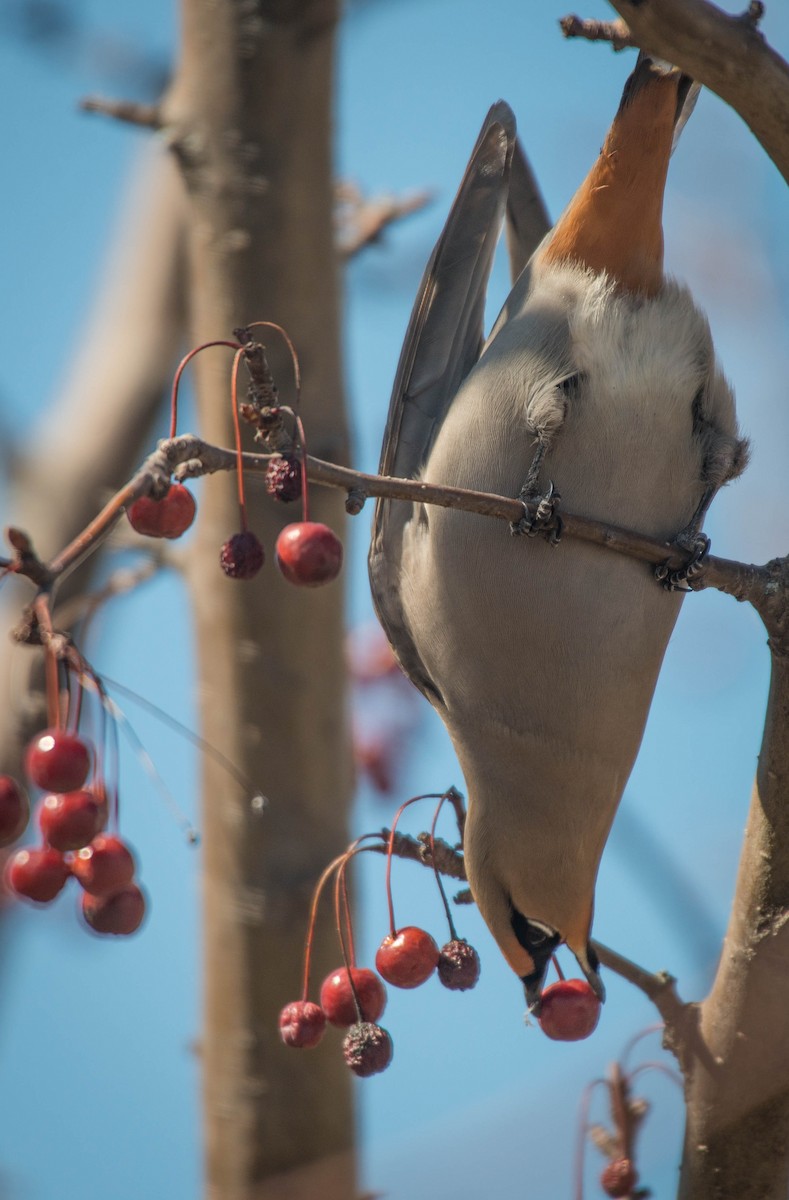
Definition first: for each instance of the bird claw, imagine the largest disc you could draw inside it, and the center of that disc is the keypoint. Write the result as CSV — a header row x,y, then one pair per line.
x,y
545,520
682,579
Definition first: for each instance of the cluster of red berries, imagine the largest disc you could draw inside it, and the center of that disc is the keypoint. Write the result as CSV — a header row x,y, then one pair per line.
x,y
308,553
71,820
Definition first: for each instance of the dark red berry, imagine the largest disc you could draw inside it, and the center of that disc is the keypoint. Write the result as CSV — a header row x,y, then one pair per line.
x,y
14,810
309,554
105,866
166,518
367,1049
301,1024
569,1010
283,478
121,913
407,958
619,1178
458,965
37,874
337,1000
241,557
70,820
57,761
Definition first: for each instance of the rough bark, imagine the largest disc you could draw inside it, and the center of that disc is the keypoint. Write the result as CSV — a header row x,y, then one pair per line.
x,y
249,118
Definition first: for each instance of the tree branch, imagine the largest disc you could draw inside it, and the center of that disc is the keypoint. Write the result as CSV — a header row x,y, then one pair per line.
x,y
615,32
148,116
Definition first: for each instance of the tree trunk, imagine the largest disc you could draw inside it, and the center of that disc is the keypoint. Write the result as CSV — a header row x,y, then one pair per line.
x,y
250,117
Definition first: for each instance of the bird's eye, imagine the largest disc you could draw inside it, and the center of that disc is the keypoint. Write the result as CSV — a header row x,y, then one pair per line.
x,y
532,935
537,936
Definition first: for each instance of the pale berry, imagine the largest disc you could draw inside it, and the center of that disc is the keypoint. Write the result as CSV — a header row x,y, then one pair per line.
x,y
367,1049
458,965
166,518
57,761
569,1010
309,554
37,874
337,998
70,820
283,478
301,1024
241,556
105,866
407,958
619,1178
14,810
121,913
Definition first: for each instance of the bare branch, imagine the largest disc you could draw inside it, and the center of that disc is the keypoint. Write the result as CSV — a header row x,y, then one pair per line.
x,y
130,111
363,220
615,32
724,53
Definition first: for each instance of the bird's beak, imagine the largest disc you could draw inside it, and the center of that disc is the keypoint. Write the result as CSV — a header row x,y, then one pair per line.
x,y
532,986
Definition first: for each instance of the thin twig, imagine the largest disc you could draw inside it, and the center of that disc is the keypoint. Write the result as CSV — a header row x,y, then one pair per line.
x,y
132,113
615,32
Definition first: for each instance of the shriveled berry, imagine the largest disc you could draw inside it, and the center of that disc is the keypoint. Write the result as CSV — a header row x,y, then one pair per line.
x,y
309,554
70,821
105,866
166,518
458,965
367,1049
57,761
283,478
407,958
569,1010
301,1024
14,810
337,1000
241,557
619,1178
37,874
121,913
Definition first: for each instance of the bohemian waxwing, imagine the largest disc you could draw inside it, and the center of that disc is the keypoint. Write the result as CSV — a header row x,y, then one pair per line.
x,y
599,376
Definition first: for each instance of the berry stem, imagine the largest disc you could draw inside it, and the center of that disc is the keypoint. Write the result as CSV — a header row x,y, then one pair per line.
x,y
390,850
305,508
452,931
294,356
177,378
237,433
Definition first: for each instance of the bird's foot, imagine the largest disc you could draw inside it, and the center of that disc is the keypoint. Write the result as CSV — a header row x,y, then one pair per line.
x,y
682,579
545,520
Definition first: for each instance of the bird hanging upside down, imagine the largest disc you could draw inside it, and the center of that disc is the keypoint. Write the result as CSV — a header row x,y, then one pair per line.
x,y
599,376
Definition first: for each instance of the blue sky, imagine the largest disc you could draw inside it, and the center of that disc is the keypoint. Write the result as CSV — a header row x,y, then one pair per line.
x,y
96,1063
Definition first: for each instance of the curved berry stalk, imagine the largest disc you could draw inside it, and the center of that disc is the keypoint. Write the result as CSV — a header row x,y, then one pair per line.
x,y
241,556
458,962
407,957
173,513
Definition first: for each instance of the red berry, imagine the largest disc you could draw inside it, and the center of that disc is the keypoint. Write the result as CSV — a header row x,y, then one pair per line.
x,y
619,1178
407,958
309,554
337,1001
71,820
105,866
367,1049
283,478
14,810
57,761
458,965
121,913
166,518
241,557
569,1010
37,874
301,1024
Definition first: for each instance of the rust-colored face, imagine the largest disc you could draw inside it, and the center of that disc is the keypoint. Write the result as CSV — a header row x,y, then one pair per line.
x,y
614,221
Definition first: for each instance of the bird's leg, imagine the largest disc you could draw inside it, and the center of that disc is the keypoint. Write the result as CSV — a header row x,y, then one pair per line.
x,y
692,539
545,520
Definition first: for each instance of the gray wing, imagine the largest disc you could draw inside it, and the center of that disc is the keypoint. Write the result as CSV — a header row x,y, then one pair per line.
x,y
527,217
442,344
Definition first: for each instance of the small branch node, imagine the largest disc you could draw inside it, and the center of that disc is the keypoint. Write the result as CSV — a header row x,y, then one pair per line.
x,y
147,116
354,501
615,32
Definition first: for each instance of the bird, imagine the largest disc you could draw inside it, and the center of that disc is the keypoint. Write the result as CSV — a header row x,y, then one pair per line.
x,y
598,382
